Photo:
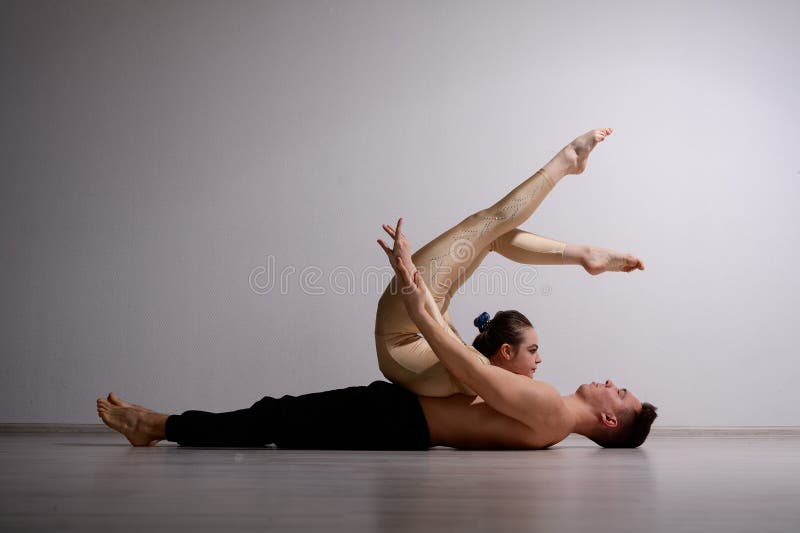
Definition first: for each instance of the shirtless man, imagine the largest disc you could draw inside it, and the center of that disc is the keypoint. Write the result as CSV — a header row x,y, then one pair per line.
x,y
510,411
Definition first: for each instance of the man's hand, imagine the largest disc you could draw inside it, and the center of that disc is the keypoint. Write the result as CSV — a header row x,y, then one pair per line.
x,y
401,247
409,279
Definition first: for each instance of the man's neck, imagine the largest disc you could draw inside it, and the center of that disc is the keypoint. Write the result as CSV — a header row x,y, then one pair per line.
x,y
583,419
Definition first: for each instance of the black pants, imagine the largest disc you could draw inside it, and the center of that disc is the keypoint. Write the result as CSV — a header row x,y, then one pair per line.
x,y
381,416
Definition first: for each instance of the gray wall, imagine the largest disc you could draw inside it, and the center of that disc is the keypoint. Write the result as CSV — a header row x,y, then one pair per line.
x,y
157,156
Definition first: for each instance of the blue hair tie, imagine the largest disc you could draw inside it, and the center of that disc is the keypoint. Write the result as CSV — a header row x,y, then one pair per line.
x,y
482,322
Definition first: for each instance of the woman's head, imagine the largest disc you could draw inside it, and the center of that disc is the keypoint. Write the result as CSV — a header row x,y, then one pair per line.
x,y
509,341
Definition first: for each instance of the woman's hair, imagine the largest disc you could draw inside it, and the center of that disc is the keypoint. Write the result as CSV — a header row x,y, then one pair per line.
x,y
504,327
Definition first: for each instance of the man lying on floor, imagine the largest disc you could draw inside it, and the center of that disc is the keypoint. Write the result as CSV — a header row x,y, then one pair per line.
x,y
510,411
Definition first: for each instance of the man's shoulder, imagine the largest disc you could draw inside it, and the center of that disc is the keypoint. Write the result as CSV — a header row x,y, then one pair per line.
x,y
550,404
546,390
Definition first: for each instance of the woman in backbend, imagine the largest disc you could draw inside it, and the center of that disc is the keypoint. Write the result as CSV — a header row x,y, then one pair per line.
x,y
507,340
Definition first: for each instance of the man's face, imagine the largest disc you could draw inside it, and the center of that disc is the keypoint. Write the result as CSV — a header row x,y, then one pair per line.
x,y
607,397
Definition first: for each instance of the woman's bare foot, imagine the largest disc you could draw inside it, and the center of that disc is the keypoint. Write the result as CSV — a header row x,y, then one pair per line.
x,y
597,260
140,426
573,157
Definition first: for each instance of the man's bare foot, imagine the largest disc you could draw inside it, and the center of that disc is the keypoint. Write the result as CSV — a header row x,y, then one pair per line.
x,y
572,158
116,400
140,426
597,260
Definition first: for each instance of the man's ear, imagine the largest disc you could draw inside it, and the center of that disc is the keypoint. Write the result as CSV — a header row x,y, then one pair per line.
x,y
609,420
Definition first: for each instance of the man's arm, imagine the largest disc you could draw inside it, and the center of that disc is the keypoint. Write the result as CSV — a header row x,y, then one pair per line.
x,y
402,249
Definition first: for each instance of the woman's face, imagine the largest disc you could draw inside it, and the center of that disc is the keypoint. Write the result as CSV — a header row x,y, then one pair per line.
x,y
521,359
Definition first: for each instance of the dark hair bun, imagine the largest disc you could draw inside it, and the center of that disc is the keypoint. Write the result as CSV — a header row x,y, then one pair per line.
x,y
482,321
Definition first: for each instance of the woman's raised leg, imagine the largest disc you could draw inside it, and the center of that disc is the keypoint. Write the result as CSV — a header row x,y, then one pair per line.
x,y
531,249
447,261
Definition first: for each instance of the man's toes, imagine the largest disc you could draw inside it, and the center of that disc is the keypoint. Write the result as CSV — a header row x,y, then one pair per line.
x,y
113,398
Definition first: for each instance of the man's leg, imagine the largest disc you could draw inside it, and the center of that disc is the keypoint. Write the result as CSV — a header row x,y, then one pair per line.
x,y
142,427
378,416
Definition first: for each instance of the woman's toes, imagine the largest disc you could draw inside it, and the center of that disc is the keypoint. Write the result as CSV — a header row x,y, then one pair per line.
x,y
603,133
633,263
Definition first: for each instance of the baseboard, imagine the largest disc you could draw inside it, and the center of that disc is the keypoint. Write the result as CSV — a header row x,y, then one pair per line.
x,y
725,431
55,428
657,431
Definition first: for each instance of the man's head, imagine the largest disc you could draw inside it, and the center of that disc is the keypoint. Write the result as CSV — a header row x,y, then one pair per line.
x,y
509,341
622,421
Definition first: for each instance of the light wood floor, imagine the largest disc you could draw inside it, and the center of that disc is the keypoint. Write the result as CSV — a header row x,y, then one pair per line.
x,y
96,482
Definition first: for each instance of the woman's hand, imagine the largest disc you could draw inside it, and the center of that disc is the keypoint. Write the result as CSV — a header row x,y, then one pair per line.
x,y
408,277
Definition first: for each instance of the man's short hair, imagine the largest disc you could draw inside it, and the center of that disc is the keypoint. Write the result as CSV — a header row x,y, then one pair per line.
x,y
632,430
